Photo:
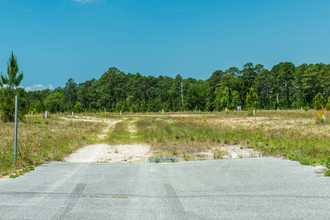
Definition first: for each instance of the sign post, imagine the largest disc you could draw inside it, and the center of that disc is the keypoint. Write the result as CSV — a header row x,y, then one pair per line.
x,y
16,113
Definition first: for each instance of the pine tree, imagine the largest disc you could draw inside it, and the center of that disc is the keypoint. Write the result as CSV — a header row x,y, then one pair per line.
x,y
9,84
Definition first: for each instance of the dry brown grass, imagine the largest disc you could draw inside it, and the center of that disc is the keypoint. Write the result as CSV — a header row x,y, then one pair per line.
x,y
292,134
41,140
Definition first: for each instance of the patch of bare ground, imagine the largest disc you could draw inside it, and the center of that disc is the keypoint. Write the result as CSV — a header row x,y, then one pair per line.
x,y
107,129
227,152
132,129
305,126
110,123
3,178
135,153
84,118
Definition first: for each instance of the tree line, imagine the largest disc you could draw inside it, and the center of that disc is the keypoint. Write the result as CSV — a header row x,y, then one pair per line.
x,y
284,86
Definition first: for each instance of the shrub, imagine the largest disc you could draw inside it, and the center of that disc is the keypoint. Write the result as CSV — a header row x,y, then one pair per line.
x,y
319,101
320,116
133,108
186,156
77,108
306,108
218,153
327,107
251,101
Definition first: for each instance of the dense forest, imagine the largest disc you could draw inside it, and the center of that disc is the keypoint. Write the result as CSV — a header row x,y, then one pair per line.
x,y
295,87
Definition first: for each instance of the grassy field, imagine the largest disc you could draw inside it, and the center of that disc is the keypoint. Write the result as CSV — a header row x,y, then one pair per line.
x,y
290,134
41,140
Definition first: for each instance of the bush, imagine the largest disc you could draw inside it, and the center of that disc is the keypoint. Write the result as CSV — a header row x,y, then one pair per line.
x,y
321,116
319,101
77,108
306,108
251,101
133,108
327,107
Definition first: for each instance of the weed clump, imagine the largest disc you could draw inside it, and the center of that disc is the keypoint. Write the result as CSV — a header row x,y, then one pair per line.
x,y
327,163
321,116
186,156
218,153
21,172
327,173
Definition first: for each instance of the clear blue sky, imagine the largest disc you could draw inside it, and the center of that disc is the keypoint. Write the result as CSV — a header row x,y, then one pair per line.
x,y
55,40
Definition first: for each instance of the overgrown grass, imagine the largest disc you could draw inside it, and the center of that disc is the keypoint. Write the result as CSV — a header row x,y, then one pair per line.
x,y
124,132
41,140
291,134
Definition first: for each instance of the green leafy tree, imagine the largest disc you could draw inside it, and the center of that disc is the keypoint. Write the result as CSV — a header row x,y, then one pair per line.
x,y
319,101
143,106
263,85
70,94
119,106
87,94
53,102
327,107
283,74
77,108
124,107
251,100
222,99
9,84
133,108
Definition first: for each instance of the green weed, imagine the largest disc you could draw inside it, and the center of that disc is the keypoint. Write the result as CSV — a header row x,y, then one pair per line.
x,y
327,173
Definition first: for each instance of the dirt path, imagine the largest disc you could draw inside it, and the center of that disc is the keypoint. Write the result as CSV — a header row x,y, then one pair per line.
x,y
140,153
107,129
112,154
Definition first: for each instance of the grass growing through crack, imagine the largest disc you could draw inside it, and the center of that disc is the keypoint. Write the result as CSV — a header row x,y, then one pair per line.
x,y
41,140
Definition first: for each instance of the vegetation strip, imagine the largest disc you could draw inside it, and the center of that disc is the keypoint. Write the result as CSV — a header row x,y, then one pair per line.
x,y
42,140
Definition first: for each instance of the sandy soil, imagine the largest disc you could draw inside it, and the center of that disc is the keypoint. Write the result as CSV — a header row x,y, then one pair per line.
x,y
112,154
3,178
305,126
109,153
230,152
107,129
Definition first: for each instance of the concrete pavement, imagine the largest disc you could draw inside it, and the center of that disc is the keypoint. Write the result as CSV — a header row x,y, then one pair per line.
x,y
252,188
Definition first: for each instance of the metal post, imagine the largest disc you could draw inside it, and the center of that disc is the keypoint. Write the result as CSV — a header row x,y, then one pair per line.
x,y
182,97
16,113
